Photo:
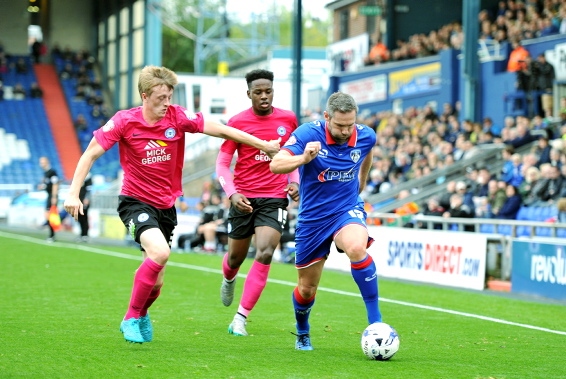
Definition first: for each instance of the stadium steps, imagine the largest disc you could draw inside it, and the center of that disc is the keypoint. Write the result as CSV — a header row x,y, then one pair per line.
x,y
59,118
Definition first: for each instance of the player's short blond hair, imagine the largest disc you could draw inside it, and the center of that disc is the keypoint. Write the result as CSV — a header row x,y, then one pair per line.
x,y
153,76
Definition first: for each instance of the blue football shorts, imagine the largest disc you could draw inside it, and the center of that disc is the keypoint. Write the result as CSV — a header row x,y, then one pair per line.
x,y
313,240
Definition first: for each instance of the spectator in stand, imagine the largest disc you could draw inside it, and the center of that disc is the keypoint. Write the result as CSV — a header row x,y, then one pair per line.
x,y
548,28
213,221
469,150
447,111
81,123
35,92
484,176
429,113
556,158
512,204
543,79
67,72
377,54
445,197
515,175
525,78
36,49
21,66
432,208
95,100
522,136
80,93
553,187
495,198
19,92
486,138
489,126
501,9
529,160
454,130
459,210
181,205
527,189
467,196
517,57
405,211
508,123
539,123
376,179
95,84
542,150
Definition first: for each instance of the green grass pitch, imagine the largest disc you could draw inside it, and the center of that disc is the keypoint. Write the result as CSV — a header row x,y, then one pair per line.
x,y
61,305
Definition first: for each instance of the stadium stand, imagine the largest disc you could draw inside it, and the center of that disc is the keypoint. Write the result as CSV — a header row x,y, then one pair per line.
x,y
84,95
25,134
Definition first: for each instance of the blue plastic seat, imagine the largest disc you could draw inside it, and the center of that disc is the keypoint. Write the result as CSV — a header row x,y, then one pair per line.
x,y
542,232
523,231
523,213
504,229
487,228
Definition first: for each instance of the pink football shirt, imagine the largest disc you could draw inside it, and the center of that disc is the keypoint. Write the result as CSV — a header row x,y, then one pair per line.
x,y
252,176
152,157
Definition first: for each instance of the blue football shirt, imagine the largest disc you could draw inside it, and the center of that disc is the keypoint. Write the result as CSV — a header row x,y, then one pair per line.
x,y
329,183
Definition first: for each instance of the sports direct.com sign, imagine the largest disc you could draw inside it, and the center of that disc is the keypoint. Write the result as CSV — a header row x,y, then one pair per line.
x,y
454,259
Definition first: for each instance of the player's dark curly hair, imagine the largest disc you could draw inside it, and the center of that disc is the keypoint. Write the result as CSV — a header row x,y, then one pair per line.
x,y
258,74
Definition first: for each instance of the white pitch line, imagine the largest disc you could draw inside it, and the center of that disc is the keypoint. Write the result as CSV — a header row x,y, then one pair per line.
x,y
116,254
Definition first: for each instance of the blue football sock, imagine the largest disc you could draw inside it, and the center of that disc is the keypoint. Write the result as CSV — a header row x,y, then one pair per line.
x,y
302,312
365,276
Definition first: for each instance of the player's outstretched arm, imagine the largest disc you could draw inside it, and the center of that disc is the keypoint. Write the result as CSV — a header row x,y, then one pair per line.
x,y
73,205
215,129
283,162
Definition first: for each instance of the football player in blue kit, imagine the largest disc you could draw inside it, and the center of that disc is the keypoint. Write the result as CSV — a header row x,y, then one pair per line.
x,y
334,157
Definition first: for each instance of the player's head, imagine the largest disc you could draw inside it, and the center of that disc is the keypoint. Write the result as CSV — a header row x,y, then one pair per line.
x,y
340,115
260,90
155,85
44,163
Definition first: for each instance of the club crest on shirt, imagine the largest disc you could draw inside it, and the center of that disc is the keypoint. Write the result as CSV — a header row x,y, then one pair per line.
x,y
355,155
291,141
281,131
190,115
108,126
170,133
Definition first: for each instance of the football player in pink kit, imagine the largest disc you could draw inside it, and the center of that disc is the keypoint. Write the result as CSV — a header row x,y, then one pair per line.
x,y
152,145
258,197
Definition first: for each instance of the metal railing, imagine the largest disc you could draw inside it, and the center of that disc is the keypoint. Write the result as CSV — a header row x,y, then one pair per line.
x,y
429,185
499,245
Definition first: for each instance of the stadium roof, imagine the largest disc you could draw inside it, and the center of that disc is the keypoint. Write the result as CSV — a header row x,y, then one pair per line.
x,y
339,4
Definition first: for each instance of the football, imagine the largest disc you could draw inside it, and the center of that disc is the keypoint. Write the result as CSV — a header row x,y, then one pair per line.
x,y
380,341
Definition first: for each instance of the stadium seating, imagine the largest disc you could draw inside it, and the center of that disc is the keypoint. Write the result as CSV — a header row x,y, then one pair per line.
x,y
24,137
108,164
533,213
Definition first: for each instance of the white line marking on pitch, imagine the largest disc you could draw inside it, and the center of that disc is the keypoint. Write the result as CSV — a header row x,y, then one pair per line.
x,y
282,282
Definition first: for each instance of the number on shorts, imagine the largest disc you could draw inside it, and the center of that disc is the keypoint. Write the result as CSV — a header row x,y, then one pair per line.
x,y
357,213
282,217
